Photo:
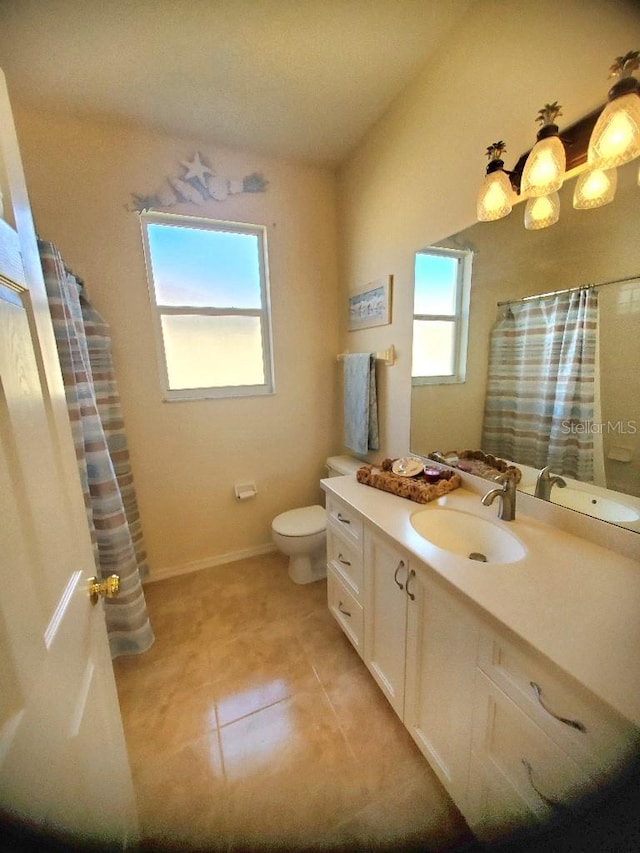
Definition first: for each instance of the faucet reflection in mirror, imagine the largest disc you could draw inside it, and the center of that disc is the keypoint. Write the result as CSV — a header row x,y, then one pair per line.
x,y
545,482
538,175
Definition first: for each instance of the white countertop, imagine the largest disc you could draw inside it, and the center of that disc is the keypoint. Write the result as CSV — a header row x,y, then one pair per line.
x,y
575,602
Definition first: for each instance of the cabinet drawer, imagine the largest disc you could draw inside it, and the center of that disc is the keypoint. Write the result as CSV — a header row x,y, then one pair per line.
x,y
512,745
345,558
584,727
342,518
346,610
493,808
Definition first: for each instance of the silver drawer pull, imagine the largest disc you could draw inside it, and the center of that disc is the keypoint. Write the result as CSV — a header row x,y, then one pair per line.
x,y
395,574
555,804
575,724
341,518
411,595
341,609
342,560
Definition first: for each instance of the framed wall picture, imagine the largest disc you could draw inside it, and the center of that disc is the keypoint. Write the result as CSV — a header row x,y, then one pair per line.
x,y
372,307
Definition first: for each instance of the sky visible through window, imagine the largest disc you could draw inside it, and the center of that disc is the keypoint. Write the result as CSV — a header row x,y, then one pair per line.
x,y
434,295
435,286
201,267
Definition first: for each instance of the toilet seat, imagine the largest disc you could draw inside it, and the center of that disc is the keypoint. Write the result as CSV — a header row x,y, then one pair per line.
x,y
304,521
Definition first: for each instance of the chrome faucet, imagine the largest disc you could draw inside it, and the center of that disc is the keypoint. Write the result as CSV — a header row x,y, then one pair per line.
x,y
545,483
507,495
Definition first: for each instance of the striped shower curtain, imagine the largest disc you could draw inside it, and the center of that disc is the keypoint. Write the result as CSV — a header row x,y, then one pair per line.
x,y
539,407
93,403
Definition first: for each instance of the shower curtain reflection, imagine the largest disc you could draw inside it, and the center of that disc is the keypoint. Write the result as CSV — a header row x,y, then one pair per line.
x,y
541,386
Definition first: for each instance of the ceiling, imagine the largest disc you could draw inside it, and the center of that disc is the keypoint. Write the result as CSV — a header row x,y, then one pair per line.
x,y
300,79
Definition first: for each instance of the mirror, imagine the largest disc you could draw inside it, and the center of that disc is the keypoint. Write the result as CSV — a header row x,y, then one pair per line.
x,y
509,263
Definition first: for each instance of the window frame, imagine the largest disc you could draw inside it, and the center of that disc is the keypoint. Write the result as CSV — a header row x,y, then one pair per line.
x,y
460,317
159,310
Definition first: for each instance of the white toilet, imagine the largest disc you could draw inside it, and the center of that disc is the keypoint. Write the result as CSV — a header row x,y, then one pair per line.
x,y
301,533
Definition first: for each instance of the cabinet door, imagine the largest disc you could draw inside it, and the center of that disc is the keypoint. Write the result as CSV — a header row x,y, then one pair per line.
x,y
387,571
442,641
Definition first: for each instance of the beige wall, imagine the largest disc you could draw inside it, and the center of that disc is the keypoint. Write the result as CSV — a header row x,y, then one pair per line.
x,y
187,456
415,177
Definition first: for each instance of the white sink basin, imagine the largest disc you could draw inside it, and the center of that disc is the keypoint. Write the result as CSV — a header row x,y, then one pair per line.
x,y
590,503
467,535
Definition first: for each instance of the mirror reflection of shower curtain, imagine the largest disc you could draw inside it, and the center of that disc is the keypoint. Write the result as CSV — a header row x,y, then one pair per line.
x,y
541,392
599,472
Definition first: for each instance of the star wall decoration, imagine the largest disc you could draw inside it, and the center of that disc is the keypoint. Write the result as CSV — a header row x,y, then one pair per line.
x,y
198,184
195,168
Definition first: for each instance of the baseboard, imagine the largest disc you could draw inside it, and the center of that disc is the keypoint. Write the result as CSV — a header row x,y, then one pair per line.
x,y
207,563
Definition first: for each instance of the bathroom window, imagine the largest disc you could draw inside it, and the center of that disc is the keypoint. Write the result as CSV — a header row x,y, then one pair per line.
x,y
440,316
208,286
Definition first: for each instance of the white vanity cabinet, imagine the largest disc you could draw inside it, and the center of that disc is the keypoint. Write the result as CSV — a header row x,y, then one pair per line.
x,y
514,736
421,648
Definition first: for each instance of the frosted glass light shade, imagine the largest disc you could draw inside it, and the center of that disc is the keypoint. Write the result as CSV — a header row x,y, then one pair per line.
x,y
545,167
542,211
595,189
495,198
616,137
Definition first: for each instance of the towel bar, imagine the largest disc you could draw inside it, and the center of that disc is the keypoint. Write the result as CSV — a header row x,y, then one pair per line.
x,y
387,355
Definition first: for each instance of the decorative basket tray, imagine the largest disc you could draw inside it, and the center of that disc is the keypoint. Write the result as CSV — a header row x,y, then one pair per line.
x,y
416,488
486,465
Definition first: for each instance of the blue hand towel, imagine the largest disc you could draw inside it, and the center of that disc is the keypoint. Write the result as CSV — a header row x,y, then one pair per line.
x,y
360,403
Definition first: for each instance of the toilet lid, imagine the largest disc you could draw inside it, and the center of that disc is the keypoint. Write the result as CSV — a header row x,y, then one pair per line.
x,y
301,522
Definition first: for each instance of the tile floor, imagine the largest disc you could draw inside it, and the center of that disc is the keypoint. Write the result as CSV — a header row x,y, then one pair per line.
x,y
253,724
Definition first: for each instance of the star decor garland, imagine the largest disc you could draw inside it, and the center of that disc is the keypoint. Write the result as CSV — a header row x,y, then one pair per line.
x,y
198,184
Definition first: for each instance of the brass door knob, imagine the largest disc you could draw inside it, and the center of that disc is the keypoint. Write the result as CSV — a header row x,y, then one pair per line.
x,y
108,588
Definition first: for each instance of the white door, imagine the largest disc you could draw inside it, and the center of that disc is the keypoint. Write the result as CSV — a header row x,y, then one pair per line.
x,y
63,762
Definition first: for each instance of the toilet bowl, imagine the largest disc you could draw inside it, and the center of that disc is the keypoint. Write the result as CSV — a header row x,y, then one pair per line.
x,y
301,534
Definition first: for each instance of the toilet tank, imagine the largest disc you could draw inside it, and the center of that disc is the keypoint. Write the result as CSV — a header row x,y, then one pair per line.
x,y
337,466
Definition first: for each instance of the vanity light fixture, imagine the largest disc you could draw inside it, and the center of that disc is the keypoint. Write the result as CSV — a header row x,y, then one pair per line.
x,y
616,137
542,211
546,164
604,139
496,195
595,188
